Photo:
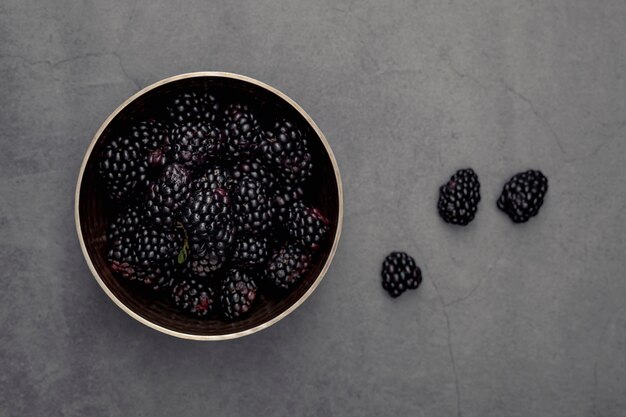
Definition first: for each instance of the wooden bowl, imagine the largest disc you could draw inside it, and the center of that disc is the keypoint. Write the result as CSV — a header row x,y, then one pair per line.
x,y
92,210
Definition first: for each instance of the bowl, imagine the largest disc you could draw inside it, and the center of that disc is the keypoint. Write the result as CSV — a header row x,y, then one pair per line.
x,y
92,208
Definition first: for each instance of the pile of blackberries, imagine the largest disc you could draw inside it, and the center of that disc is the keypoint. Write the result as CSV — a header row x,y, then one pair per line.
x,y
210,205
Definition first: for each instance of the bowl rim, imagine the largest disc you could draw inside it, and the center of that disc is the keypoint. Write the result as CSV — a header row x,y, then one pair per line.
x,y
322,272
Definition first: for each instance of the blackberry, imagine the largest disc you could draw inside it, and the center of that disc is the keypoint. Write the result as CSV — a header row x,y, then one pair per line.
x,y
288,266
242,130
400,273
253,168
206,212
203,266
208,222
306,225
120,238
522,196
194,297
193,107
285,149
284,198
159,276
252,208
459,197
194,143
156,252
123,167
128,222
153,137
212,178
143,252
237,294
166,196
121,257
250,251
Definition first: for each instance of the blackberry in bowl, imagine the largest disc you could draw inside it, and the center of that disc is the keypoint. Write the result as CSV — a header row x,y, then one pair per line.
x,y
186,201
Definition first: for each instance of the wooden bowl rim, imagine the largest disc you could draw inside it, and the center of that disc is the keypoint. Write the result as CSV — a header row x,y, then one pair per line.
x,y
322,273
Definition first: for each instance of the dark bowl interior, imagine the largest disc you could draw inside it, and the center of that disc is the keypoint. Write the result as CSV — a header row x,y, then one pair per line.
x,y
95,210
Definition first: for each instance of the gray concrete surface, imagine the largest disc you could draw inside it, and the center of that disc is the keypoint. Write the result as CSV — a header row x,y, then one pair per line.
x,y
510,320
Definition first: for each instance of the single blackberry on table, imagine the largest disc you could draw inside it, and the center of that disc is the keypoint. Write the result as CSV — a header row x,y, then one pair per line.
x,y
284,198
194,143
121,241
250,251
400,273
307,225
287,266
522,196
167,195
193,107
156,254
194,297
252,207
285,149
212,178
237,294
209,225
123,167
153,137
459,197
253,168
242,130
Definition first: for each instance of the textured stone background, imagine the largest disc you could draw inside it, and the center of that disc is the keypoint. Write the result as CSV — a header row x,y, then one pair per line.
x,y
510,320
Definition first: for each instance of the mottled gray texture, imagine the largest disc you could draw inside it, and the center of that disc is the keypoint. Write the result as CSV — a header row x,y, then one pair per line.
x,y
510,320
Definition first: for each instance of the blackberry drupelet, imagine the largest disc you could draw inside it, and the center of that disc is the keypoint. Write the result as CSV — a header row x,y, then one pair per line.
x,y
167,195
209,225
250,251
287,266
459,197
237,294
522,196
242,130
194,143
123,167
306,225
193,107
400,273
153,137
252,207
194,297
285,149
